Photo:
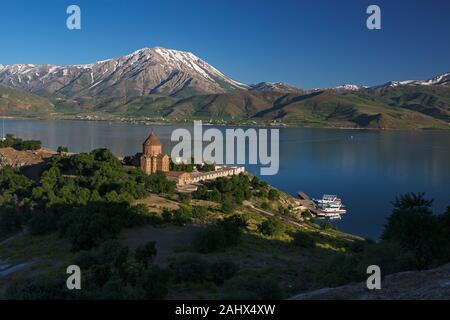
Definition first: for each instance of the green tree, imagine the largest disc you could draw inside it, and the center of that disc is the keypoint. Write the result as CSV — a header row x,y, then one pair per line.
x,y
227,204
62,149
182,216
10,221
413,225
199,213
225,233
273,194
271,227
145,253
153,283
42,222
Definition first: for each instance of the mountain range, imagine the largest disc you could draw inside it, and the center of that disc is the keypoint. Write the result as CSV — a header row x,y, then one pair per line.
x,y
159,82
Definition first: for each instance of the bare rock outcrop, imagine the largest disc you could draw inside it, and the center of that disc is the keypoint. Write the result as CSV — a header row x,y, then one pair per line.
x,y
433,284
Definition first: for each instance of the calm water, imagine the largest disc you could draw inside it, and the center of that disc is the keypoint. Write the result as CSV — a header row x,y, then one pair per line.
x,y
366,168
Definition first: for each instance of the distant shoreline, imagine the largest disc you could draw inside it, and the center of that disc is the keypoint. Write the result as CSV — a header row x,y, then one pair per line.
x,y
149,122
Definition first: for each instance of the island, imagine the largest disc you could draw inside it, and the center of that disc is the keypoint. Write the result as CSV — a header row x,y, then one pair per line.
x,y
144,227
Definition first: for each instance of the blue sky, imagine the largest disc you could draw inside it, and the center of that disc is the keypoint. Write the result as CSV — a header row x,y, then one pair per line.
x,y
309,44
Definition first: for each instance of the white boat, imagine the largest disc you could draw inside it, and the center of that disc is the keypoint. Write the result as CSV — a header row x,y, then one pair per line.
x,y
331,216
327,199
329,206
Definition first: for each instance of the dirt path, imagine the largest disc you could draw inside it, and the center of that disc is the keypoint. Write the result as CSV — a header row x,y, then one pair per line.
x,y
295,223
267,213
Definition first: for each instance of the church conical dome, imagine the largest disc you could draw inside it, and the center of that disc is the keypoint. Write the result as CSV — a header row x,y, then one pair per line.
x,y
152,140
152,158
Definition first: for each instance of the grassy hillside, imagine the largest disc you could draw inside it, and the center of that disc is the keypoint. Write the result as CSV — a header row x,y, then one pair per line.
x,y
89,210
401,107
136,237
366,110
15,102
227,105
429,100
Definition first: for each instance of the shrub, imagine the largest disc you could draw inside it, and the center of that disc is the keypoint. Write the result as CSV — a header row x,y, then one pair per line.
x,y
19,144
199,213
273,194
227,204
13,185
186,167
113,252
154,219
307,215
357,246
232,228
207,167
224,234
182,216
326,225
338,270
145,253
185,197
152,284
62,149
27,145
214,195
42,222
345,268
108,275
158,183
88,226
86,259
263,193
229,191
40,287
142,212
210,239
304,240
271,227
10,221
265,205
413,225
189,267
222,270
388,255
167,215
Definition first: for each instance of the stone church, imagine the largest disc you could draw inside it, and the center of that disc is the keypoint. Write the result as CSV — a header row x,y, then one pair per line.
x,y
152,158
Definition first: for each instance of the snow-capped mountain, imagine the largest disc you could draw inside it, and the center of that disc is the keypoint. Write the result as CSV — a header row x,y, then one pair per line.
x,y
150,71
443,79
145,71
440,80
348,87
274,86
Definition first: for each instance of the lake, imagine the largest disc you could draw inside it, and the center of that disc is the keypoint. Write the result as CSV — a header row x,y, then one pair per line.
x,y
366,168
